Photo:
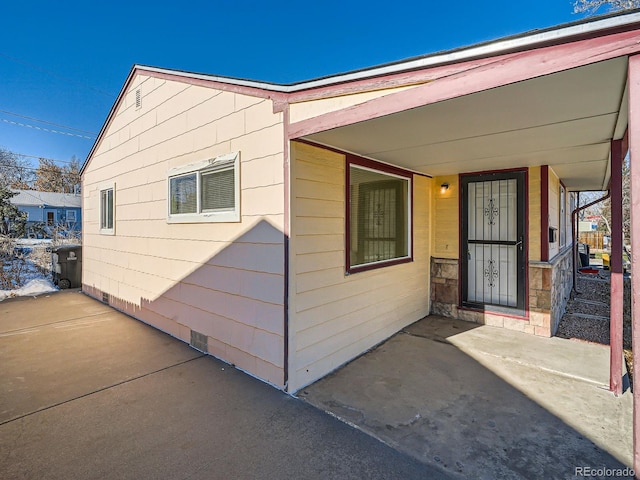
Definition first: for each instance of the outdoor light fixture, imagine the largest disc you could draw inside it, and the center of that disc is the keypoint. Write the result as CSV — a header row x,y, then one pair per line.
x,y
444,187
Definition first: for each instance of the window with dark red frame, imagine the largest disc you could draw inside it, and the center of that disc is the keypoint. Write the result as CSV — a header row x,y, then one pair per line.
x,y
378,215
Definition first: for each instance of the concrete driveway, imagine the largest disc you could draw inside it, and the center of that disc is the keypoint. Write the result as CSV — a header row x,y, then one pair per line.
x,y
486,403
89,393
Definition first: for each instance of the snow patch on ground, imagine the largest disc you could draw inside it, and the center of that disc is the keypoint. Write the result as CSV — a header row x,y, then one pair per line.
x,y
33,241
37,286
35,278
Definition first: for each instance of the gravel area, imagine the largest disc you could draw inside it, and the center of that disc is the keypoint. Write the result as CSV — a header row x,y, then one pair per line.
x,y
581,306
592,298
587,314
587,329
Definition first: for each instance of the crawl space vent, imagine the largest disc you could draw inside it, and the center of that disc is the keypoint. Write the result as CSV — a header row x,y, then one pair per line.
x,y
105,297
199,341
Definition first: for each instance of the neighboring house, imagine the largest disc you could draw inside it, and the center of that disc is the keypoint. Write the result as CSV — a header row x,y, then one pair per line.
x,y
50,208
287,229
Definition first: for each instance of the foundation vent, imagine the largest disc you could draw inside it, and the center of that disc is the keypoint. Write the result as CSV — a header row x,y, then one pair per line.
x,y
199,341
105,298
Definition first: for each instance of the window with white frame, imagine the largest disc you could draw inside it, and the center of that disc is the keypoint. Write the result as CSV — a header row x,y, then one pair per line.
x,y
107,210
207,191
379,215
71,216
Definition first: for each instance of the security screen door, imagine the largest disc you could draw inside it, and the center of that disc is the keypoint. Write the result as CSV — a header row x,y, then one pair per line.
x,y
493,235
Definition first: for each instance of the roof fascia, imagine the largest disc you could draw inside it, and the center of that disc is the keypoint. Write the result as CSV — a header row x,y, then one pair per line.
x,y
476,76
584,29
552,36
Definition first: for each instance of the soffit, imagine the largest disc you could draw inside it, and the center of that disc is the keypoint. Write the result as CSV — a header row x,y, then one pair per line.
x,y
565,120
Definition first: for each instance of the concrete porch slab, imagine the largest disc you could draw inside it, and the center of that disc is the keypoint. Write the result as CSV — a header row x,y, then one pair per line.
x,y
484,402
580,360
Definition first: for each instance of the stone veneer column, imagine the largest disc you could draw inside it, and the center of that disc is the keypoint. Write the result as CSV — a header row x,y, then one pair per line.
x,y
444,287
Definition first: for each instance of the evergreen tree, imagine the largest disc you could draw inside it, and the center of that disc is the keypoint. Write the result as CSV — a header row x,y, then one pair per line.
x,y
11,219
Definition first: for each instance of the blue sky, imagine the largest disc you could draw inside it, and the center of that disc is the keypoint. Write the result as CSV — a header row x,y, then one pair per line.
x,y
65,62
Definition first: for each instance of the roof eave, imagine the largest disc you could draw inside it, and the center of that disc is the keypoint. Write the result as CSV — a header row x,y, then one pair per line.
x,y
526,41
594,27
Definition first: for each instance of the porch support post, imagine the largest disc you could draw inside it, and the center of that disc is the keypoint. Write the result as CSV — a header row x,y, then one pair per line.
x,y
544,213
617,288
634,174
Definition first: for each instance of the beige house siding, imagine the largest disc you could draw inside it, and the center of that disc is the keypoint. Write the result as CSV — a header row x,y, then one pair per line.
x,y
335,317
224,280
312,108
535,206
446,226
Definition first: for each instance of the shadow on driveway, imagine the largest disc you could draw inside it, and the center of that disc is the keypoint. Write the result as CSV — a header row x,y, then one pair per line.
x,y
89,393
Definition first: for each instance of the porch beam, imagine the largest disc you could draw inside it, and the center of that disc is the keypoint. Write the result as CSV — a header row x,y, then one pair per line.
x,y
617,288
472,77
634,150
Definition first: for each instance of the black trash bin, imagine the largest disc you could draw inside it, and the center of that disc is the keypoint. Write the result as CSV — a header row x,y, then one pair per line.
x,y
66,265
583,251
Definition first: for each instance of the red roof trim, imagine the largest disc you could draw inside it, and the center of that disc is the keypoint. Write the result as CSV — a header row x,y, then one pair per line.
x,y
475,76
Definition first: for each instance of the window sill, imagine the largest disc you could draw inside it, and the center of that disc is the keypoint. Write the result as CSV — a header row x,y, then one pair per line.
x,y
382,264
107,231
221,217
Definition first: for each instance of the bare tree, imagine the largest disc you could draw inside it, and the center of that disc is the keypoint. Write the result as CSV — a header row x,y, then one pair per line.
x,y
592,6
71,176
49,177
15,171
626,204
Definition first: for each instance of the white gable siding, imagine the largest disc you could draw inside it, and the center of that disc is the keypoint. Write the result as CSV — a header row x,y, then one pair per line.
x,y
224,280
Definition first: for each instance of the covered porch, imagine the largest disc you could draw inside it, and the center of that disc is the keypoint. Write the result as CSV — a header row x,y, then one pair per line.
x,y
559,106
485,402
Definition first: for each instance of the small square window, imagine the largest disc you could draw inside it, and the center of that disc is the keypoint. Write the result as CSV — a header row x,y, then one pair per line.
x,y
71,216
107,210
208,191
379,216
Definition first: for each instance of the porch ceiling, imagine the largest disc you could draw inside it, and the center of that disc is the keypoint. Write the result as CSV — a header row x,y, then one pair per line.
x,y
565,120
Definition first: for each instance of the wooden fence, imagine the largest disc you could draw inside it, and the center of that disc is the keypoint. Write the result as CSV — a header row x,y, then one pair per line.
x,y
595,240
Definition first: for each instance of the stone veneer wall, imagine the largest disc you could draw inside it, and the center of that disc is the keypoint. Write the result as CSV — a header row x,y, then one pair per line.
x,y
444,287
550,283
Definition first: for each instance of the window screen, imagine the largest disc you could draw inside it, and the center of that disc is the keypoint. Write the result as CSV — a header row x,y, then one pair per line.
x,y
379,216
183,194
218,191
106,209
